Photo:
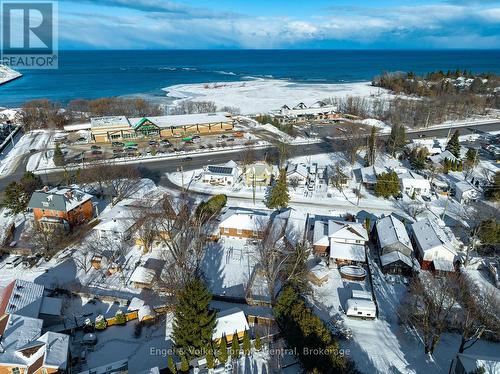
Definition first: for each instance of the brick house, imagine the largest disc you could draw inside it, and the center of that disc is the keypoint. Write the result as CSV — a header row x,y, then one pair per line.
x,y
61,207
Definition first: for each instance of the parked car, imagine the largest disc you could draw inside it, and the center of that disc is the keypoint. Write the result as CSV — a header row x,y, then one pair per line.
x,y
117,144
95,147
230,139
165,143
12,262
188,159
96,152
130,149
153,142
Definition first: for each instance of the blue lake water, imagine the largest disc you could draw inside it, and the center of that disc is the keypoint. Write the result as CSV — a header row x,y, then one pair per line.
x,y
92,74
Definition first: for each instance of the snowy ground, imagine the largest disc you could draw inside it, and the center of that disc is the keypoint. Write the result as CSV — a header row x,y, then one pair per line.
x,y
382,345
34,140
261,96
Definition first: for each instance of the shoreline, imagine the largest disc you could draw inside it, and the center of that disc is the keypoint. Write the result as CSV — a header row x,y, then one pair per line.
x,y
9,74
263,95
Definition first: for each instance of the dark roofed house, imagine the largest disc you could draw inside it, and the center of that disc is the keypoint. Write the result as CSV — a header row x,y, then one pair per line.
x,y
225,174
61,207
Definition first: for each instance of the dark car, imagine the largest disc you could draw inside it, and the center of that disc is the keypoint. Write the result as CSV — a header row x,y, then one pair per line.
x,y
153,142
188,159
165,143
95,147
130,149
202,147
117,151
426,198
230,139
96,152
117,144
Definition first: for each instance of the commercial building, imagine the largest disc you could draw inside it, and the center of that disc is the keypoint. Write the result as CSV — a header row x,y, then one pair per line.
x,y
118,128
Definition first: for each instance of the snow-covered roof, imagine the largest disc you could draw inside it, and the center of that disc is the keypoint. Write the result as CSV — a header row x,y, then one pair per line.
x,y
245,219
390,230
143,275
59,199
18,333
299,170
430,236
51,306
364,304
320,270
22,298
229,168
56,349
361,294
436,159
346,230
462,186
347,251
119,219
394,256
185,119
77,126
230,321
369,174
109,121
145,311
443,265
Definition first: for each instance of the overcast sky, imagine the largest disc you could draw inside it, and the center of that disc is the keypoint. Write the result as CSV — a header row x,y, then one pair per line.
x,y
160,24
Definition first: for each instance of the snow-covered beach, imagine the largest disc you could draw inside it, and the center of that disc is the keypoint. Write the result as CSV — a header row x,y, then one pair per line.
x,y
7,74
263,95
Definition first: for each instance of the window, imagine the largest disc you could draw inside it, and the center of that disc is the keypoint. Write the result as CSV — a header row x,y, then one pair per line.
x,y
239,231
116,136
226,230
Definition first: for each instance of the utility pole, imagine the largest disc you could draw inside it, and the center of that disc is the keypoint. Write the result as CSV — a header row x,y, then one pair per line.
x,y
253,188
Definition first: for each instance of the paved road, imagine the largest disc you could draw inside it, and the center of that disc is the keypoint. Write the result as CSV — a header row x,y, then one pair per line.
x,y
160,167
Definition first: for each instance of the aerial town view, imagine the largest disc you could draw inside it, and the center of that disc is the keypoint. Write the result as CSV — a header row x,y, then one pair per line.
x,y
249,187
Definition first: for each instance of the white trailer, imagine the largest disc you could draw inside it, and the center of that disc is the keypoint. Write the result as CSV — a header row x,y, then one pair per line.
x,y
362,308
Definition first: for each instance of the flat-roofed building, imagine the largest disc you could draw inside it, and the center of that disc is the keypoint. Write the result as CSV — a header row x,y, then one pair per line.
x,y
117,128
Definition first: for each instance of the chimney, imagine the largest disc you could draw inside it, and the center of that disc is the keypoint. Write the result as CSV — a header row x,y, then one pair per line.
x,y
69,194
45,189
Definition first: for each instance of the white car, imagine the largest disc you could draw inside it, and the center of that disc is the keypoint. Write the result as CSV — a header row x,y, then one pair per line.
x,y
12,262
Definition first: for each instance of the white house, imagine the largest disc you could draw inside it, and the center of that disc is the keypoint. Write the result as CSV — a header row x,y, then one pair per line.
x,y
439,158
412,182
297,172
392,236
225,174
345,241
118,223
465,192
432,243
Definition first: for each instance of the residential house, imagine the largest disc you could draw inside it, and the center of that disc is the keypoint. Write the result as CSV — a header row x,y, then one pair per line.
x,y
244,222
297,174
117,223
61,207
24,349
230,322
465,192
432,243
439,158
368,176
413,183
395,248
142,277
343,241
226,174
259,174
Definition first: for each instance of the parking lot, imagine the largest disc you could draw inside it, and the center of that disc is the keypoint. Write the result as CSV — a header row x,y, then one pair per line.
x,y
324,129
80,148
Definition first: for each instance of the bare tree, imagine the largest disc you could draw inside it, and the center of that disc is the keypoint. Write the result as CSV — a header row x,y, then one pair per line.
x,y
125,181
293,182
45,240
413,208
428,306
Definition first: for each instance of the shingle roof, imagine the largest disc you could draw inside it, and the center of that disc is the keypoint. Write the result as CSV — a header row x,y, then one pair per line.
x,y
59,199
390,230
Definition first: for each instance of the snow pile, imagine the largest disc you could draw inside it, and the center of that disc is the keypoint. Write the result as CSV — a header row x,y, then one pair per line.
x,y
384,128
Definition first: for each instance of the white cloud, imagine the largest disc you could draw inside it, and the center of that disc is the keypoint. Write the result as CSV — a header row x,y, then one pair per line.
x,y
442,25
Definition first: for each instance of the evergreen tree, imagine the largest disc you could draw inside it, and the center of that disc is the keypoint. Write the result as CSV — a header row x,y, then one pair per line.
x,y
194,323
446,165
489,232
30,182
223,350
171,365
235,347
279,197
418,158
210,358
387,185
58,156
15,198
397,139
257,342
246,343
454,144
184,365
